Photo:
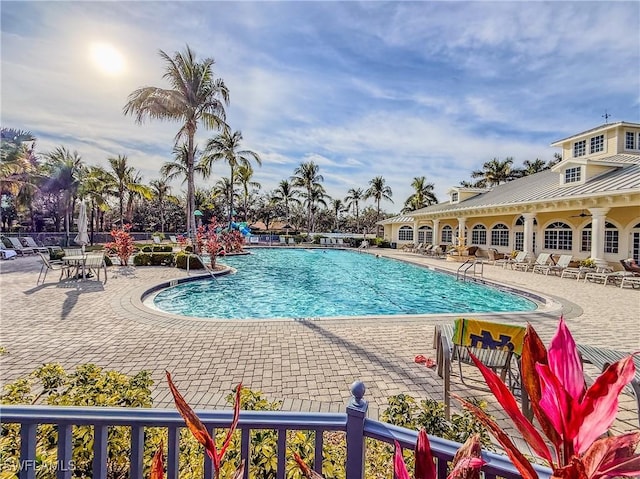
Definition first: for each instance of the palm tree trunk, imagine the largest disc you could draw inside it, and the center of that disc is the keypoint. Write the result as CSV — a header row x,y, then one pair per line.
x,y
191,199
231,198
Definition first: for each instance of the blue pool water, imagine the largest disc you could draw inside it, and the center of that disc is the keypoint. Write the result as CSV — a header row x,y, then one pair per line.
x,y
302,283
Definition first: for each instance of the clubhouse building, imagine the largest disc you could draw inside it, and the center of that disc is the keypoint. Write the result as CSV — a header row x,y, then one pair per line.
x,y
588,205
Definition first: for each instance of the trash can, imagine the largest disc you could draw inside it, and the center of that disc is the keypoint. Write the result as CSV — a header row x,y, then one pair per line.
x,y
394,245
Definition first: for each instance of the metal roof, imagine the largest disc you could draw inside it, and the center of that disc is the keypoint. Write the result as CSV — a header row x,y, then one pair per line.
x,y
605,126
545,186
396,219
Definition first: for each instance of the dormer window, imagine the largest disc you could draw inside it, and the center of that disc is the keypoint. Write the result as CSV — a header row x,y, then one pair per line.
x,y
597,144
630,142
579,148
454,197
573,175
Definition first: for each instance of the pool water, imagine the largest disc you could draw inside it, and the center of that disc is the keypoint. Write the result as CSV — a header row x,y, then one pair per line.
x,y
304,283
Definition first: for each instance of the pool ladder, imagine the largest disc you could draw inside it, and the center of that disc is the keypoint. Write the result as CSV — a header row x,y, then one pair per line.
x,y
464,268
201,262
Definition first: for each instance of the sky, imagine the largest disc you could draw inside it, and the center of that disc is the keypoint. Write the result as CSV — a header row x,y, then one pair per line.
x,y
363,89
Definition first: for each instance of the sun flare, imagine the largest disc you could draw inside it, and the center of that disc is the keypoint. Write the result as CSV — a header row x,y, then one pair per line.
x,y
107,58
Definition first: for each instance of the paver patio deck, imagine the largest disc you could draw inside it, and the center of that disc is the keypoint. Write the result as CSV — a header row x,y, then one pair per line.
x,y
307,364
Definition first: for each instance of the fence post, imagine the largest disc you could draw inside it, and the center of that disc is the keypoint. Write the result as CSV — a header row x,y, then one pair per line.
x,y
356,414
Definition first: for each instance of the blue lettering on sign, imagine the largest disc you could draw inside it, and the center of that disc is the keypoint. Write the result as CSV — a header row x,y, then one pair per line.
x,y
486,341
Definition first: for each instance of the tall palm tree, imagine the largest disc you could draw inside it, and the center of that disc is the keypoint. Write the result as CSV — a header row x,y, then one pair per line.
x,y
177,168
224,188
337,206
94,186
195,98
226,147
379,191
353,198
535,166
125,182
136,191
495,172
313,199
422,195
65,170
307,177
286,194
161,192
244,175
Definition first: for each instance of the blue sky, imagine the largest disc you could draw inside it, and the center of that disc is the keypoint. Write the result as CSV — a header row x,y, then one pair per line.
x,y
364,89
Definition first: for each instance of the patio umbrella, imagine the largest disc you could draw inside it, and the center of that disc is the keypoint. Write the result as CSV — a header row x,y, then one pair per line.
x,y
82,238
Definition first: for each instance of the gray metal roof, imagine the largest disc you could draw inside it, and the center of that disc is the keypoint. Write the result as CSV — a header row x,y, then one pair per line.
x,y
396,219
604,126
545,186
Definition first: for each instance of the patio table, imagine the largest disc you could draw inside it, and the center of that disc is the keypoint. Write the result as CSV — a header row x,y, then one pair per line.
x,y
78,261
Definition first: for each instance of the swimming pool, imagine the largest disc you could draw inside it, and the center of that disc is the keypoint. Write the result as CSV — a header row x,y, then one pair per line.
x,y
308,283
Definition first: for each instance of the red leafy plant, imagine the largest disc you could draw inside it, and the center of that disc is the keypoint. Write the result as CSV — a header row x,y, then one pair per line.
x,y
572,417
201,434
122,244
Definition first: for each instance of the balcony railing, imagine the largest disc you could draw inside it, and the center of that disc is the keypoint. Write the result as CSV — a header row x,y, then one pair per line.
x,y
353,422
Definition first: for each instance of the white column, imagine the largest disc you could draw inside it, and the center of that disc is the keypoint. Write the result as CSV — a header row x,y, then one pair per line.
x,y
528,232
461,225
598,220
436,232
415,233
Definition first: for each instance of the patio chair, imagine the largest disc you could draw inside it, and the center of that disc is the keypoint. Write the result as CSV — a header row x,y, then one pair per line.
x,y
573,272
29,242
427,250
72,251
173,239
18,247
6,253
541,260
156,240
633,281
94,263
604,274
602,358
49,265
563,262
496,257
496,345
631,266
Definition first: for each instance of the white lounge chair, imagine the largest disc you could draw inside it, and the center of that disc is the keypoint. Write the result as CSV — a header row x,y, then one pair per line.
x,y
6,253
156,240
541,260
29,242
18,247
563,262
520,258
173,239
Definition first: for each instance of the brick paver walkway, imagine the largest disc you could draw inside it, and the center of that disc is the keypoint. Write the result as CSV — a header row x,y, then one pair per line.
x,y
308,364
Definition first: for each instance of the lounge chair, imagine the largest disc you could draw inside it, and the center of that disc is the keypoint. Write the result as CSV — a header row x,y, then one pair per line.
x,y
605,274
427,250
520,260
173,239
541,261
291,241
364,245
29,242
602,358
6,253
156,240
563,262
633,281
630,266
18,247
573,272
49,265
495,345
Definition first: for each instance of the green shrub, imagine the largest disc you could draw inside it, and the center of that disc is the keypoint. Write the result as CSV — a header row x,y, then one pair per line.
x,y
382,243
159,235
153,259
146,248
56,255
194,261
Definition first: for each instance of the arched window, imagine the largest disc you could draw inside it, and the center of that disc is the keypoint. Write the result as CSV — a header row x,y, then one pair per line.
x,y
558,236
479,235
425,235
500,235
405,233
447,234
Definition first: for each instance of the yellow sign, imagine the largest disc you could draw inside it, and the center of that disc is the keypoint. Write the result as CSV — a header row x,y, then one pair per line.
x,y
480,334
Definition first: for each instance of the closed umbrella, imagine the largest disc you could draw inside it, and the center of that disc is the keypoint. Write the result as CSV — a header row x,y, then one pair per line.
x,y
82,237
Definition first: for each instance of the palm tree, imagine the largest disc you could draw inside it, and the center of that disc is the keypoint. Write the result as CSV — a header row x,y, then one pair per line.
x,y
225,147
307,176
532,167
314,198
224,188
495,172
337,206
94,186
65,170
379,191
135,192
161,192
195,97
123,179
177,168
353,198
285,193
244,175
422,196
